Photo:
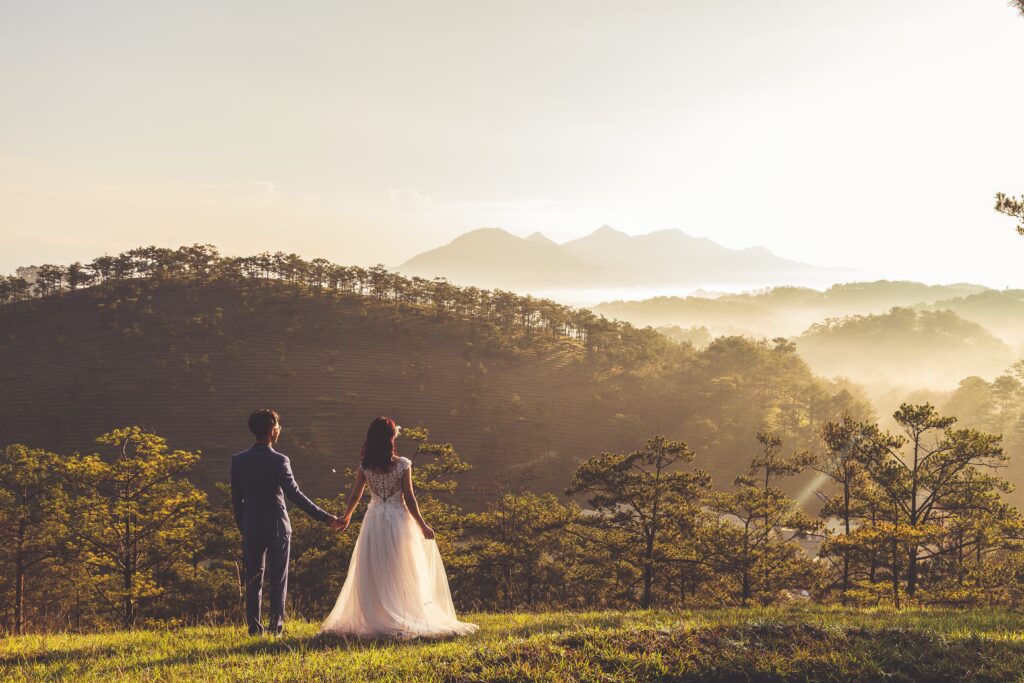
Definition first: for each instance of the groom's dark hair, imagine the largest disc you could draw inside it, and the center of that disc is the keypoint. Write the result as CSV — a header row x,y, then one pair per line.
x,y
262,422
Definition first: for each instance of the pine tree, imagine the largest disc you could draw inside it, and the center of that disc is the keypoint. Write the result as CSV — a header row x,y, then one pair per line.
x,y
930,474
750,540
138,520
635,496
33,519
515,546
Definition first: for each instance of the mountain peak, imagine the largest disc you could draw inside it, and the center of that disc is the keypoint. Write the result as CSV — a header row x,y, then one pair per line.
x,y
541,238
493,257
485,233
608,231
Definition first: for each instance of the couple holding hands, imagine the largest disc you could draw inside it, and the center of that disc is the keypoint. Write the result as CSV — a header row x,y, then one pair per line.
x,y
395,587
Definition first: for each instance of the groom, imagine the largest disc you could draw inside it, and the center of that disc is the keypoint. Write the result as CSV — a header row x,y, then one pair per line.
x,y
260,479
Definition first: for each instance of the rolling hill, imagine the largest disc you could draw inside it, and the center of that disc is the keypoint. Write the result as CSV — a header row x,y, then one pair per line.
x,y
923,349
1001,311
788,311
189,360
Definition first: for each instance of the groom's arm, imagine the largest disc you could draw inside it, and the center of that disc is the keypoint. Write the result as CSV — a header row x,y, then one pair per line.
x,y
237,502
291,489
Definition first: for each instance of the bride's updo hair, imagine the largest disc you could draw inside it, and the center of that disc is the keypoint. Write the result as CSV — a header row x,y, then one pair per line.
x,y
379,446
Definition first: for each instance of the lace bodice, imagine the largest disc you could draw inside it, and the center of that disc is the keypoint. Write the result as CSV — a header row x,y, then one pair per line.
x,y
386,487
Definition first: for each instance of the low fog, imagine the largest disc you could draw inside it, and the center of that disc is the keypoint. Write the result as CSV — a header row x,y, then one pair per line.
x,y
894,338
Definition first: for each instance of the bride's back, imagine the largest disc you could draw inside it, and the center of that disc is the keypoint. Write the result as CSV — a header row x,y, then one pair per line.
x,y
386,485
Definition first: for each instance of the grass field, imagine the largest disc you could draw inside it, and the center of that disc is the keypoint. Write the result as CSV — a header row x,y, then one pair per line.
x,y
720,645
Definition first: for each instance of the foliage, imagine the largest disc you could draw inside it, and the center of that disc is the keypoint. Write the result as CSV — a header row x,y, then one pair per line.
x,y
738,387
33,524
521,556
137,520
1012,206
319,561
996,406
636,497
748,541
916,518
922,511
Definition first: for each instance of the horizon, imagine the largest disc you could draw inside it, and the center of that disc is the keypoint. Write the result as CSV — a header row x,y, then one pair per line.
x,y
832,135
588,297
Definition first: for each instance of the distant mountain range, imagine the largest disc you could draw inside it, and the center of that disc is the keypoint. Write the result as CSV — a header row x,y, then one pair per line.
x,y
492,257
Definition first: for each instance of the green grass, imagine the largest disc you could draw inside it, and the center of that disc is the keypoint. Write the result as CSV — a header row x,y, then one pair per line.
x,y
718,645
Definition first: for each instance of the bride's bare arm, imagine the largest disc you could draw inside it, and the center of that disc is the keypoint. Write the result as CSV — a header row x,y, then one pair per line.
x,y
414,507
354,496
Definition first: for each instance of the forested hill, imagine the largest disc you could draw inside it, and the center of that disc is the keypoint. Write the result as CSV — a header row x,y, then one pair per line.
x,y
522,387
788,311
921,348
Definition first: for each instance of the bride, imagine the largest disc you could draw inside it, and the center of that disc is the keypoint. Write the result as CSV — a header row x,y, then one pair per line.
x,y
396,586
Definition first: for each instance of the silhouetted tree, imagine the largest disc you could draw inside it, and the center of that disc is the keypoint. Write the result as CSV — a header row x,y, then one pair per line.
x,y
929,472
33,518
1012,206
750,538
515,547
634,496
848,446
136,517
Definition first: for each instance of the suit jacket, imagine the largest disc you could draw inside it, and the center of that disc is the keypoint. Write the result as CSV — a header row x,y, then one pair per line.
x,y
260,479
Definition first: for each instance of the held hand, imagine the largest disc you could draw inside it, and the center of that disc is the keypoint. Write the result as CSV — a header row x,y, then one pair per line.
x,y
428,533
339,524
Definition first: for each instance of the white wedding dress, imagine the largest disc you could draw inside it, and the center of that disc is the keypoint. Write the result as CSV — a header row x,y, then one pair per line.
x,y
396,586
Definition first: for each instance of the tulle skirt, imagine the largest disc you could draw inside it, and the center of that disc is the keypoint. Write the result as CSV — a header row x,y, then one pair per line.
x,y
396,586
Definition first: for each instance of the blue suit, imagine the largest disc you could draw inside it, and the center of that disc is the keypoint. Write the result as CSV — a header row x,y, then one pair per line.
x,y
260,479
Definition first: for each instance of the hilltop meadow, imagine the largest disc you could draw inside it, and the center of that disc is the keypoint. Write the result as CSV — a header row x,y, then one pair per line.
x,y
717,645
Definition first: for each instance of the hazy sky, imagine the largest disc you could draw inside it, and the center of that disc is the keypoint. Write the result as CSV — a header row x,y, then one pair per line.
x,y
870,134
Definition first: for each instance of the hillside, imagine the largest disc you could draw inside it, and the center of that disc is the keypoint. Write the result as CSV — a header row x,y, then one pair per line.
x,y
788,311
718,645
492,257
190,363
190,360
932,349
1001,311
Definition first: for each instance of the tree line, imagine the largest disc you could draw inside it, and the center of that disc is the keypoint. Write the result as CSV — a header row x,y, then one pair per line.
x,y
203,263
120,537
995,406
